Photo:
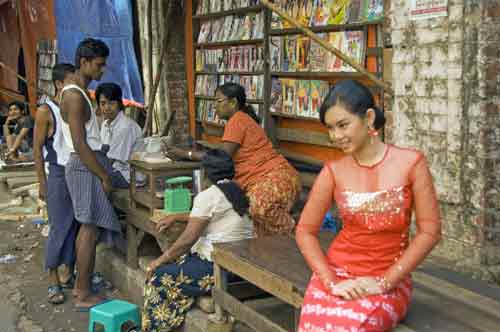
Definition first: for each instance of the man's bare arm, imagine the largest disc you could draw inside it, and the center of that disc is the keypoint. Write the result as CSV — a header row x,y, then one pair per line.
x,y
74,106
42,122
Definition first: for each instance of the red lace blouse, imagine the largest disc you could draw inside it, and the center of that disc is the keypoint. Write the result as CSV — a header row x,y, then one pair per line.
x,y
376,205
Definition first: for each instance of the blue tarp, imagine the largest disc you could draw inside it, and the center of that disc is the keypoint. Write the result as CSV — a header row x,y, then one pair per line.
x,y
110,21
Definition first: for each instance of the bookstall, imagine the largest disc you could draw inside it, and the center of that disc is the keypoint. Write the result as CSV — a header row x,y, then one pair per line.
x,y
284,72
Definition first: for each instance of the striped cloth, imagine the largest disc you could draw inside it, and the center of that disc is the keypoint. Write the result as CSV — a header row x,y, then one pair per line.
x,y
91,205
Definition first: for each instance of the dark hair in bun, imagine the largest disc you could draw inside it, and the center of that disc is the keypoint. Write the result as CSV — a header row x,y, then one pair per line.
x,y
355,97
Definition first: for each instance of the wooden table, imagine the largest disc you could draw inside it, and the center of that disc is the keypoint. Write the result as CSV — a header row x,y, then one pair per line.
x,y
147,197
143,202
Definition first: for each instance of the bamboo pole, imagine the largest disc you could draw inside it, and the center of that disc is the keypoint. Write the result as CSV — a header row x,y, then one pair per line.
x,y
147,130
387,87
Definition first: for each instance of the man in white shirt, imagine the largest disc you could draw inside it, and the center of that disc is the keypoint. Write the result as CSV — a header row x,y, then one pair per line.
x,y
119,133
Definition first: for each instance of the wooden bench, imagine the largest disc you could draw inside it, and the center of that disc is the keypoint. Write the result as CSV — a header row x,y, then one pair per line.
x,y
275,265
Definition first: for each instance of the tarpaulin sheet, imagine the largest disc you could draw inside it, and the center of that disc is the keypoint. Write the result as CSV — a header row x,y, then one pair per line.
x,y
110,21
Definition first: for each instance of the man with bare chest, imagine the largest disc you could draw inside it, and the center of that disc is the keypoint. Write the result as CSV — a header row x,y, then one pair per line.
x,y
88,181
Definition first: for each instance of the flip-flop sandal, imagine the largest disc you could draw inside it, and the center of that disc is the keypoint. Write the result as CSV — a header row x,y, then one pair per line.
x,y
87,309
69,284
56,295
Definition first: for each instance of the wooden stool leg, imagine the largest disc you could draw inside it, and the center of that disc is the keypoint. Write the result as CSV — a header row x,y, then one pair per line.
x,y
132,247
221,284
296,312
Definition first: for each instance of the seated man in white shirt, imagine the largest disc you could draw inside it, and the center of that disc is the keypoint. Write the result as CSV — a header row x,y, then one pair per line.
x,y
119,133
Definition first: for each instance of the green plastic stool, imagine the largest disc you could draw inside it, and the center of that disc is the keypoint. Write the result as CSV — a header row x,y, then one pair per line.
x,y
177,198
113,315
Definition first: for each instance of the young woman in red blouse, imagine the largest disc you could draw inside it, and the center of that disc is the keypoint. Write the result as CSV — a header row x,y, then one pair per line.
x,y
362,283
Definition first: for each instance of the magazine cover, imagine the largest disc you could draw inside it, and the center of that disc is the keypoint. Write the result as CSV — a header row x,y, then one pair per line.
x,y
302,95
336,39
275,48
288,95
204,35
276,101
317,55
303,50
373,10
289,53
321,12
338,11
354,47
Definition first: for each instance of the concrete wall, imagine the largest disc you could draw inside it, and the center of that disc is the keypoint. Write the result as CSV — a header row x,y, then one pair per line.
x,y
447,104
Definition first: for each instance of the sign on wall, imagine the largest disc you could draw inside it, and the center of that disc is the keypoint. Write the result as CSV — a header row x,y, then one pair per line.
x,y
424,9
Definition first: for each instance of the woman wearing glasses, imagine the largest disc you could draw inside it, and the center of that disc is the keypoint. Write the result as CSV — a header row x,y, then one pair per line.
x,y
270,182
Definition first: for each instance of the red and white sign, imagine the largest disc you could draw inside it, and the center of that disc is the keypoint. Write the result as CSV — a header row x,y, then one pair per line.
x,y
424,9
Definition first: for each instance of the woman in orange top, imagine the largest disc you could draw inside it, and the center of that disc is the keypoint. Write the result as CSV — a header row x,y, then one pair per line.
x,y
363,282
270,182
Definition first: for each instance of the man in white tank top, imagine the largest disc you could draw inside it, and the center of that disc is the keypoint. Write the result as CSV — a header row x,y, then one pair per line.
x,y
88,182
48,147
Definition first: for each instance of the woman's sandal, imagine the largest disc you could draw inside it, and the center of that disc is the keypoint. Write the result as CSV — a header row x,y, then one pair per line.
x,y
56,295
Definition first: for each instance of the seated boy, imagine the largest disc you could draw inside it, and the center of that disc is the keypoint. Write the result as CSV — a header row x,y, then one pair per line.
x,y
119,133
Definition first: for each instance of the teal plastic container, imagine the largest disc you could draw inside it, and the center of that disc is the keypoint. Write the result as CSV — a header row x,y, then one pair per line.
x,y
177,197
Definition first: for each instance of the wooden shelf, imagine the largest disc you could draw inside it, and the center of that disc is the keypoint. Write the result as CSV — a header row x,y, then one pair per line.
x,y
313,74
246,73
229,43
293,116
210,123
245,10
249,101
325,28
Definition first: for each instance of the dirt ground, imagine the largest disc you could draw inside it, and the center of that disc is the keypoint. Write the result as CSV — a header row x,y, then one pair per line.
x,y
23,284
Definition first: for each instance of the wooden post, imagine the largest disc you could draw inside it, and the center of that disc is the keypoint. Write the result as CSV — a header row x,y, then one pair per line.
x,y
387,87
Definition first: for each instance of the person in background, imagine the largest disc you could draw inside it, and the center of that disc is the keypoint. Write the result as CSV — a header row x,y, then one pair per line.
x,y
185,270
270,182
363,282
49,146
18,132
119,133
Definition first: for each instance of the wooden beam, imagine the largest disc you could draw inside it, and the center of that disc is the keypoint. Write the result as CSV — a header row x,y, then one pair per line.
x,y
457,293
244,313
303,136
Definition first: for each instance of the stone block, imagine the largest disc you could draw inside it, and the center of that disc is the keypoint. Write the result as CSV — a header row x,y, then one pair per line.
x,y
439,123
454,71
456,13
455,52
455,32
397,37
434,69
429,36
423,53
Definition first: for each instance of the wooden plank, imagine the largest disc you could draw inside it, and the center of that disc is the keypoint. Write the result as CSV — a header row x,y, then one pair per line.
x,y
301,136
299,157
16,174
431,311
458,294
245,10
229,43
167,166
244,313
264,279
326,28
20,182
